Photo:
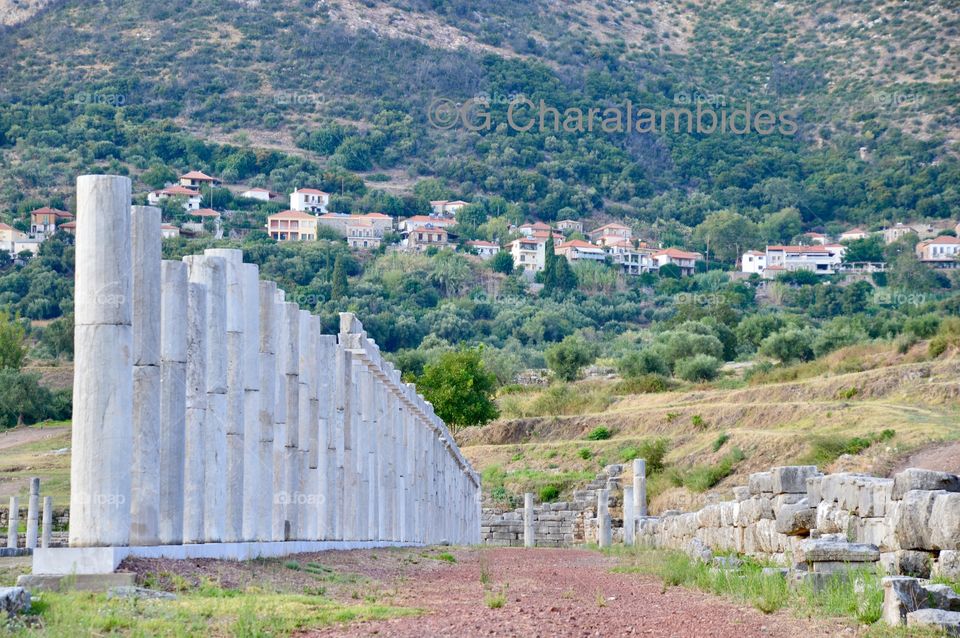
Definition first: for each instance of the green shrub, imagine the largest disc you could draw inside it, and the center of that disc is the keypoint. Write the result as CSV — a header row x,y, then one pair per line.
x,y
585,453
549,493
644,384
719,441
697,422
642,363
701,367
600,433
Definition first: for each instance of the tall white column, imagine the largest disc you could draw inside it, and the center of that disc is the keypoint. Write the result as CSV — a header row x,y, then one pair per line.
x,y
173,399
279,518
640,488
102,435
529,537
232,528
603,518
47,532
291,459
195,419
327,445
211,272
264,488
347,488
145,485
252,469
13,523
305,429
311,525
629,517
33,513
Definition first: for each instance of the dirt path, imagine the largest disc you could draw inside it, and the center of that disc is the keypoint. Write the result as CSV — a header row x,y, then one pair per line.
x,y
22,435
943,457
565,593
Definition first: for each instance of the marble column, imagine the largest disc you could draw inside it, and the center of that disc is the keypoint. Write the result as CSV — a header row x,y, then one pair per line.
x,y
145,469
291,456
264,488
33,513
603,518
173,399
210,271
327,444
250,357
232,528
102,433
529,531
629,517
640,488
47,531
13,523
279,516
195,418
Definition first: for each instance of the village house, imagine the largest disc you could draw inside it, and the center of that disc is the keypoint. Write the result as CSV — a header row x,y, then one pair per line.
x,y
529,253
941,252
368,225
854,234
684,260
196,179
261,194
44,221
70,227
816,238
753,262
633,261
822,260
9,236
192,199
570,226
169,231
529,230
579,250
425,221
362,234
443,208
309,200
484,249
610,232
423,237
200,219
292,225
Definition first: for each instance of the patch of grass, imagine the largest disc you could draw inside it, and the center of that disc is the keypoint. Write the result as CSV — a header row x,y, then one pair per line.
x,y
719,441
496,600
549,493
825,449
701,478
600,433
447,556
585,453
698,423
651,450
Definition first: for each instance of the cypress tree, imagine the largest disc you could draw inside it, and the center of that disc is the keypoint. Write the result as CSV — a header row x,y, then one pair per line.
x,y
339,289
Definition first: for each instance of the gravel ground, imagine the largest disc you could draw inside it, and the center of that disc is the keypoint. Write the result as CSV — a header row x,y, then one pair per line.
x,y
567,592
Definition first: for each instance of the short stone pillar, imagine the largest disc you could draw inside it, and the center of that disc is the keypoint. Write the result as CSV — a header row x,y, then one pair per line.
x,y
640,488
102,437
529,531
33,513
47,533
629,517
604,534
13,522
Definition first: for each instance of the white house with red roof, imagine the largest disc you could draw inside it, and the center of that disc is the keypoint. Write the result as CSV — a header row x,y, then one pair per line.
x,y
822,260
570,226
633,261
685,260
530,230
618,231
425,221
579,250
192,198
753,262
44,221
309,200
484,249
258,193
169,231
529,253
816,238
940,252
10,237
196,179
854,234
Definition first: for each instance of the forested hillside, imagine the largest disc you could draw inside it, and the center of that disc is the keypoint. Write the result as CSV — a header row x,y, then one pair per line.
x,y
335,94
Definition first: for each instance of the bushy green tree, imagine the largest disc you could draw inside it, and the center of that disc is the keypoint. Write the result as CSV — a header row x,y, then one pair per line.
x,y
567,357
502,262
701,367
642,362
340,287
13,346
792,344
460,388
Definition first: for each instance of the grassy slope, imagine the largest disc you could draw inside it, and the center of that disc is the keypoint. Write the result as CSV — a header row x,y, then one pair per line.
x,y
773,424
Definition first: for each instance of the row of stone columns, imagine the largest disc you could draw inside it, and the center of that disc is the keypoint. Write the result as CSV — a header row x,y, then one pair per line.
x,y
33,519
210,409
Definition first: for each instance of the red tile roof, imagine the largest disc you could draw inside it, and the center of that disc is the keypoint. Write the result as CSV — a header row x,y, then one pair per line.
x,y
676,253
46,210
297,214
205,212
176,189
311,191
203,177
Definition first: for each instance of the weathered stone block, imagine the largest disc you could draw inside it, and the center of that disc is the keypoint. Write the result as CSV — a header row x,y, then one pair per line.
x,y
916,479
14,600
819,550
760,483
813,490
948,564
797,518
907,562
792,479
901,595
946,621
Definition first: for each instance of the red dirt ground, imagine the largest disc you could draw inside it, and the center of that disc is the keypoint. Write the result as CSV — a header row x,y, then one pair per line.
x,y
567,592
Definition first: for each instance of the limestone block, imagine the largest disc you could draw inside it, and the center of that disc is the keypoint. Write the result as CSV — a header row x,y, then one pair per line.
x,y
819,550
792,479
913,523
831,519
945,621
796,519
14,600
813,490
945,522
942,597
875,531
915,479
709,516
760,483
741,493
874,495
907,562
901,595
783,500
728,513
948,565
